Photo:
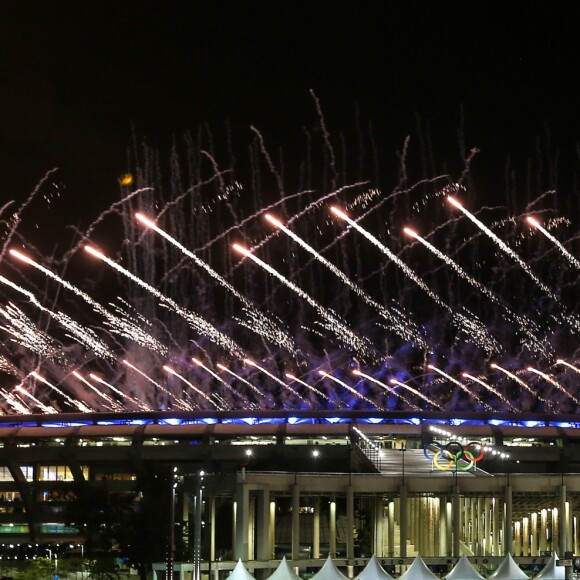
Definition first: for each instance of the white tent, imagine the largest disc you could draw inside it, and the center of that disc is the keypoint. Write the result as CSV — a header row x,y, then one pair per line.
x,y
240,573
418,571
284,572
463,570
550,571
509,570
373,571
329,572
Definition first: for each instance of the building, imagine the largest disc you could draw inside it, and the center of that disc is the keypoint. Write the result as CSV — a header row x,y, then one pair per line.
x,y
309,484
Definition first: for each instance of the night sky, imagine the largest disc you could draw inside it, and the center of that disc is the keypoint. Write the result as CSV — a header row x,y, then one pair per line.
x,y
79,78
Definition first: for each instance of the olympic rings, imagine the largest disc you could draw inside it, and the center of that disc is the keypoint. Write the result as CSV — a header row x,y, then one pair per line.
x,y
453,452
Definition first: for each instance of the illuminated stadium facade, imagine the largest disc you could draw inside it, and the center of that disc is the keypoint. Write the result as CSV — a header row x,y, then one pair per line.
x,y
294,484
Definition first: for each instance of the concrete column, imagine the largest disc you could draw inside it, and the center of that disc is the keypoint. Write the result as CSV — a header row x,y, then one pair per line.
x,y
212,528
295,521
555,531
487,515
466,526
517,539
526,536
568,527
264,551
349,521
442,549
316,528
391,530
507,520
242,522
481,516
543,538
272,538
456,511
379,539
495,527
332,527
449,528
252,529
563,544
534,534
403,520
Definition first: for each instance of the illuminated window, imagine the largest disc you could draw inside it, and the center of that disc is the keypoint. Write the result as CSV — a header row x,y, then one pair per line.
x,y
27,472
5,474
58,473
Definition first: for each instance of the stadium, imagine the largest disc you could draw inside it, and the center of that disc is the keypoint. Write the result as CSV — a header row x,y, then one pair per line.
x,y
210,373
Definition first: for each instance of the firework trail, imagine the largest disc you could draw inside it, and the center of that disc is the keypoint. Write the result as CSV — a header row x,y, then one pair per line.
x,y
15,403
45,408
349,389
191,386
505,248
311,388
241,379
386,387
521,383
571,259
139,404
112,404
567,364
526,326
417,393
461,386
219,379
77,332
397,320
333,324
259,322
554,383
491,390
25,332
122,327
197,322
78,404
471,326
181,404
277,380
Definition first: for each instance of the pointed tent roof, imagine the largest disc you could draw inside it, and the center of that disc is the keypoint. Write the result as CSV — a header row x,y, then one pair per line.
x,y
418,571
373,571
329,572
509,570
550,571
284,572
240,573
463,570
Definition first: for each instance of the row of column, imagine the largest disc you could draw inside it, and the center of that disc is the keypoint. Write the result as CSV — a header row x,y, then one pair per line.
x,y
442,525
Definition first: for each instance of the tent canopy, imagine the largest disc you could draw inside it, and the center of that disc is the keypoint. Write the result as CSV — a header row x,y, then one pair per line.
x,y
373,571
509,570
329,572
463,570
284,572
240,573
550,571
418,570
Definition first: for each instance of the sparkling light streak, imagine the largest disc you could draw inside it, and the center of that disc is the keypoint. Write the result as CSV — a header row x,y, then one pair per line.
x,y
491,390
74,403
390,390
555,383
349,388
397,320
199,324
333,324
45,408
571,259
461,386
173,372
470,325
258,321
277,380
416,393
